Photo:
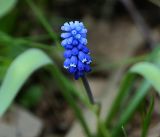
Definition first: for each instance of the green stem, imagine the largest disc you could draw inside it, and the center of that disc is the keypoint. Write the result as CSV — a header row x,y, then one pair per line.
x,y
40,37
43,21
69,98
19,41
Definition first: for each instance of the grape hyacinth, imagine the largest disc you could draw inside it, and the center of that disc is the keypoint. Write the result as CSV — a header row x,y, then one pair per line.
x,y
76,54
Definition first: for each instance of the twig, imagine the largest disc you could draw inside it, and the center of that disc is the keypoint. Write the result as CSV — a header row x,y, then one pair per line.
x,y
140,22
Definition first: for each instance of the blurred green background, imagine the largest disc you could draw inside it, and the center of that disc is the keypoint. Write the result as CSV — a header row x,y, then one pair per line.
x,y
120,34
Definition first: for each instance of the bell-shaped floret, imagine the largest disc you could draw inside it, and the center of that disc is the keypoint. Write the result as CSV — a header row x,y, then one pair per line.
x,y
82,57
67,53
67,63
74,61
89,59
83,41
65,35
80,66
75,51
85,50
72,70
75,42
87,68
78,74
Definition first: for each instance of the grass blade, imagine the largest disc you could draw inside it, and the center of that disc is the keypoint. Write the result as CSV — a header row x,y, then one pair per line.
x,y
147,119
124,131
151,73
43,21
125,87
133,104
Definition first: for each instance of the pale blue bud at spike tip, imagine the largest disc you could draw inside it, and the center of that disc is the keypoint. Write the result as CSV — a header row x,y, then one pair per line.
x,y
76,54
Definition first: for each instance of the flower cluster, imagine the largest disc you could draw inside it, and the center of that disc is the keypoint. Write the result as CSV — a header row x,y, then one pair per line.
x,y
76,54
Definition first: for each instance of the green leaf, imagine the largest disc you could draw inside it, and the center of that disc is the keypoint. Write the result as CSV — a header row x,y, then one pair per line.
x,y
150,72
147,119
19,71
6,6
133,104
144,69
102,131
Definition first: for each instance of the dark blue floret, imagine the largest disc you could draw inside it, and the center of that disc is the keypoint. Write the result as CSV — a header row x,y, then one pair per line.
x,y
67,63
72,70
80,46
76,54
81,66
75,51
87,68
78,74
75,42
74,61
85,49
82,57
68,46
89,60
67,53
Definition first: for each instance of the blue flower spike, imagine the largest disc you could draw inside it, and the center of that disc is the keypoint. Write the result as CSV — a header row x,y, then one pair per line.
x,y
76,54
